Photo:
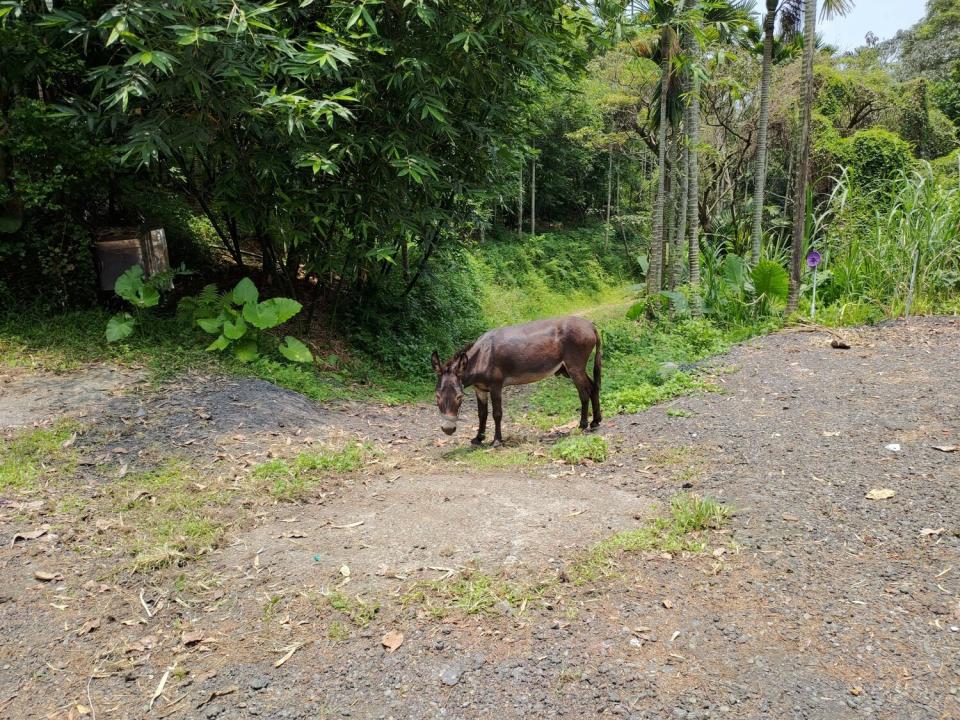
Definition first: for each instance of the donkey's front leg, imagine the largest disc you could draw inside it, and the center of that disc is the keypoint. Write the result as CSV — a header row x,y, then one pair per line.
x,y
496,391
482,397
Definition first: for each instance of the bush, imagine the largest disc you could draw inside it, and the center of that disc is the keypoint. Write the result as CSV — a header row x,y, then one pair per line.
x,y
58,181
878,156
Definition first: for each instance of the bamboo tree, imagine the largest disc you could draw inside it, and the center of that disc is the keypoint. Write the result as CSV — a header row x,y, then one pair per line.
x,y
606,229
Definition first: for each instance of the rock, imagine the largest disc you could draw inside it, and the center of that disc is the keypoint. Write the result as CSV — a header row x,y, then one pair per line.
x,y
260,682
450,675
667,370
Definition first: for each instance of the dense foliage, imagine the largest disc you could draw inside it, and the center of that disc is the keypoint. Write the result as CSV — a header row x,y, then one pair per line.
x,y
411,173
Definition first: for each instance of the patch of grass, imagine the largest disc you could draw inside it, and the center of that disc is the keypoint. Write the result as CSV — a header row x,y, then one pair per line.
x,y
168,510
270,607
682,530
337,632
360,612
493,458
29,455
473,592
575,449
679,412
295,479
673,455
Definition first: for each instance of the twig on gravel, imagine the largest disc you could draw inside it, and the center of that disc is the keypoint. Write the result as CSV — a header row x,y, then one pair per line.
x,y
290,652
144,603
93,710
163,682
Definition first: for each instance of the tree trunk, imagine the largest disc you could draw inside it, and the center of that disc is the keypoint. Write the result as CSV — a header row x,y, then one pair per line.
x,y
693,198
533,198
520,204
681,237
655,259
760,174
606,229
670,236
803,166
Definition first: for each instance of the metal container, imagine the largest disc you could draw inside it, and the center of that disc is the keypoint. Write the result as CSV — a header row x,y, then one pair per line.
x,y
119,249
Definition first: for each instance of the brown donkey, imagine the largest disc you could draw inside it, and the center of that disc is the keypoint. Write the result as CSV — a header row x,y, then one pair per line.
x,y
517,355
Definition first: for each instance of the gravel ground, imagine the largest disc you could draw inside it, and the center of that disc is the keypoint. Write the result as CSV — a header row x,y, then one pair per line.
x,y
816,602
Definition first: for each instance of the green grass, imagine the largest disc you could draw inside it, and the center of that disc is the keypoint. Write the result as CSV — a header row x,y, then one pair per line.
x,y
683,530
295,479
28,456
473,593
360,612
169,511
576,449
487,458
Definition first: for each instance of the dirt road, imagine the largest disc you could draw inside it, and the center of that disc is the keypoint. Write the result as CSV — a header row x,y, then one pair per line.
x,y
814,602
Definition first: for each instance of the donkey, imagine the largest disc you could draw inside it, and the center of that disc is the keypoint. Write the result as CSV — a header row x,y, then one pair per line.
x,y
517,355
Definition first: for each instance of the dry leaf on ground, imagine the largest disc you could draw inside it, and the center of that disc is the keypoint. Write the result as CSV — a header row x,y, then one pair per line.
x,y
392,640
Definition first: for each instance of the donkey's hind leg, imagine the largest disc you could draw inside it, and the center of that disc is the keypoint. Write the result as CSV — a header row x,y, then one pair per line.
x,y
584,389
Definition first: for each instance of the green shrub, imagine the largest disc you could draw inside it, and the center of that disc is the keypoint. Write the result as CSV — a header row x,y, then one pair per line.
x,y
58,180
878,156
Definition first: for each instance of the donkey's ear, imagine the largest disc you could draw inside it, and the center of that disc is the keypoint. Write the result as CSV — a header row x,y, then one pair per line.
x,y
437,366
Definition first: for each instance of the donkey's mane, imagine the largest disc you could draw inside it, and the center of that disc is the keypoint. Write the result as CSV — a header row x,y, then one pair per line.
x,y
462,352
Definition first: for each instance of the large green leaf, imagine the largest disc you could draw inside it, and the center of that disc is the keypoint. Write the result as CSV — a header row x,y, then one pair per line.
x,y
221,343
295,350
120,326
235,330
245,292
129,284
636,311
735,271
770,280
246,351
270,313
211,325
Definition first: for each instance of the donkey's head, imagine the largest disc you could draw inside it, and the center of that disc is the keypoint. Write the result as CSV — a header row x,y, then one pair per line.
x,y
449,389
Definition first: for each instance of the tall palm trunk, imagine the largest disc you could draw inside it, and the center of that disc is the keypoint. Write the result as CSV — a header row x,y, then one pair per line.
x,y
803,166
760,174
655,271
693,198
681,237
670,212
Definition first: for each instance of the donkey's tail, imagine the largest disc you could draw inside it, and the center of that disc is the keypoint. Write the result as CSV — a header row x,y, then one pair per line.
x,y
597,360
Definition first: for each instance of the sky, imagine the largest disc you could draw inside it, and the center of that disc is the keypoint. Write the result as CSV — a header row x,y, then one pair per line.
x,y
882,17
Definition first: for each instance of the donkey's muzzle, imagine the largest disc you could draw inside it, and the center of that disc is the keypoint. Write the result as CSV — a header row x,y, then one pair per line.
x,y
448,423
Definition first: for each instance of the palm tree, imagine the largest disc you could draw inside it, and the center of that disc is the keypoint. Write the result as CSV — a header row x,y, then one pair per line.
x,y
667,16
803,165
760,175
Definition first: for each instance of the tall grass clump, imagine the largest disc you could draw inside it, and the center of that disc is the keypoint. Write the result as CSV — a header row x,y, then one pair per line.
x,y
891,246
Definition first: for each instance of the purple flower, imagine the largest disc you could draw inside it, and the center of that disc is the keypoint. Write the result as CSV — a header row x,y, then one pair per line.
x,y
813,259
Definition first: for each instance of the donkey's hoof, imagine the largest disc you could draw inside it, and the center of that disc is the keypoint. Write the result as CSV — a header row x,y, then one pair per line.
x,y
478,440
498,443
595,424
